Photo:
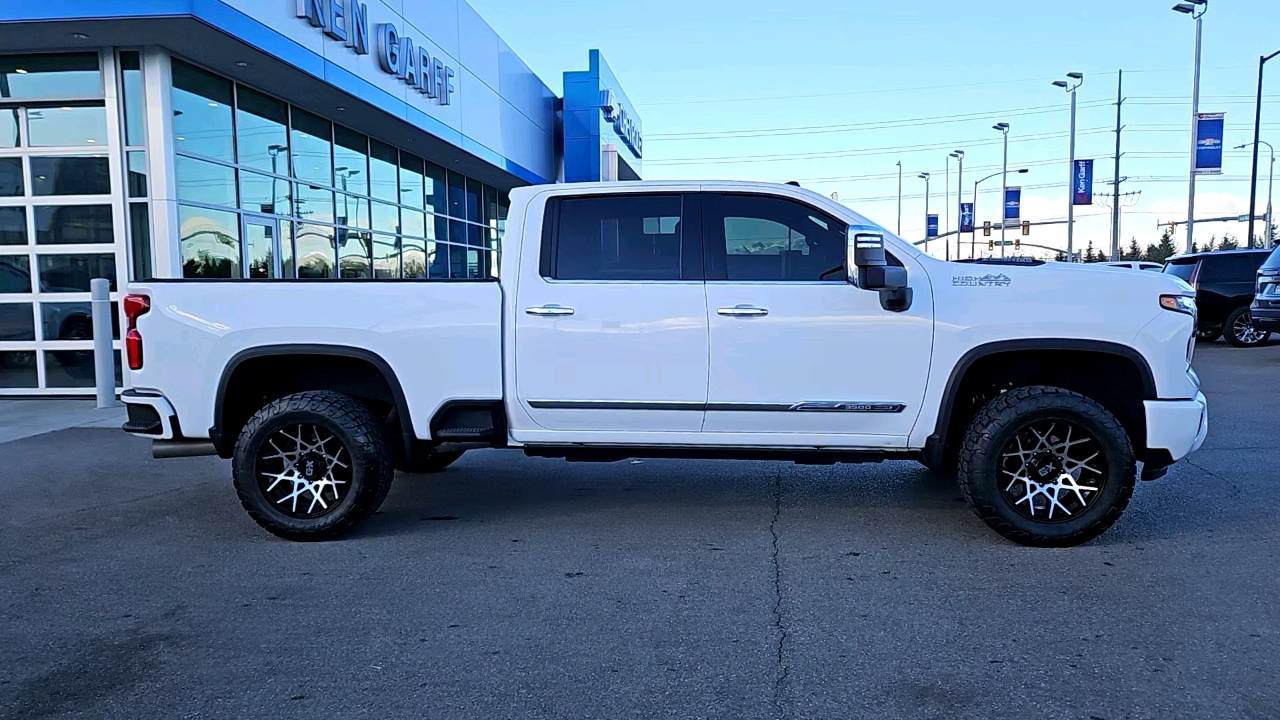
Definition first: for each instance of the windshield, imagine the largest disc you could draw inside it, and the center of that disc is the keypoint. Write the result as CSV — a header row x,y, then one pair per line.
x,y
1181,270
1273,260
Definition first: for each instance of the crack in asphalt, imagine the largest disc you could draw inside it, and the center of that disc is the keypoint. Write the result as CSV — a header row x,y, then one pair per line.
x,y
1230,482
784,671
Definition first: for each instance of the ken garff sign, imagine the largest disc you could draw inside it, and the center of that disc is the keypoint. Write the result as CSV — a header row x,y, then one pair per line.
x,y
1012,203
966,217
348,21
1209,128
1082,183
616,114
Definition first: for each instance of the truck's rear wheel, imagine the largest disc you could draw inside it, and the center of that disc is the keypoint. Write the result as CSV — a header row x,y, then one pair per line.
x,y
1047,467
312,465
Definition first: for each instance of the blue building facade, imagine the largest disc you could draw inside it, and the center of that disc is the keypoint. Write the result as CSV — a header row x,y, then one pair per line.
x,y
265,139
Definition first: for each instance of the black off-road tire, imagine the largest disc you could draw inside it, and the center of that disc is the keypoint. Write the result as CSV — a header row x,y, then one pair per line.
x,y
999,421
433,462
359,431
1231,333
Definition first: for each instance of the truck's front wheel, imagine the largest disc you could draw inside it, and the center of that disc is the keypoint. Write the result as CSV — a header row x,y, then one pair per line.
x,y
1047,467
312,465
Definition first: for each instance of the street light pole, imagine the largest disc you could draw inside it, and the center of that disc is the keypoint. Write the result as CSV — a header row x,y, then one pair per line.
x,y
972,253
1253,178
925,176
1266,240
1071,162
1003,127
959,155
1189,8
899,198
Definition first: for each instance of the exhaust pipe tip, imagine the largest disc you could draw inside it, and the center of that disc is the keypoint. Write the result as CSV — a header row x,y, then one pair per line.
x,y
165,449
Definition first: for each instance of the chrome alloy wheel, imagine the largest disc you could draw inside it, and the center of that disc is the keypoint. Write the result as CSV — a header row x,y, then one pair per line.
x,y
1052,470
304,470
1245,332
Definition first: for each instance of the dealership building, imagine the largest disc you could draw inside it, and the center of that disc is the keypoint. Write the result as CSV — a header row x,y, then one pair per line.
x,y
286,140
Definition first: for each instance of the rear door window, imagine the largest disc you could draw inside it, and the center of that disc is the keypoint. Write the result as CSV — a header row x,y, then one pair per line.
x,y
1231,268
1182,270
618,237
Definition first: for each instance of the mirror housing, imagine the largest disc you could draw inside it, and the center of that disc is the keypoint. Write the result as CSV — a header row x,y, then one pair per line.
x,y
869,268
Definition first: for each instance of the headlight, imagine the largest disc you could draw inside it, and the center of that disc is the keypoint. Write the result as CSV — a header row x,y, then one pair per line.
x,y
1179,303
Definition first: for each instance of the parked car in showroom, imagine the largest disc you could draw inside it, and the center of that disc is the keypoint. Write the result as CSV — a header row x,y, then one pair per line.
x,y
1265,310
1225,282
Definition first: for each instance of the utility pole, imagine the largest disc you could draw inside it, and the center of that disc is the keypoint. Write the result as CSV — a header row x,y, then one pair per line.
x,y
1071,88
1115,200
946,204
959,155
1003,128
1253,176
899,198
1196,9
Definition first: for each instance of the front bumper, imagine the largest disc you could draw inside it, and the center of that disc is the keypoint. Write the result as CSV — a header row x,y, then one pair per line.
x,y
1176,428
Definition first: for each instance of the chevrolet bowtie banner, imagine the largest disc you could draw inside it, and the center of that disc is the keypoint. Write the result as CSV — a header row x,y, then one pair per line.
x,y
1209,143
1082,183
931,226
1012,203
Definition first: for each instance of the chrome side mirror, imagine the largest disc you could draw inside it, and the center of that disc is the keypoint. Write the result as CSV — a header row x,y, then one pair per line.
x,y
869,269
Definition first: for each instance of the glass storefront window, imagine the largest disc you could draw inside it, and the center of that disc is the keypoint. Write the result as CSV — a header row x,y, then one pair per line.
x,y
351,160
74,225
72,273
436,193
259,247
80,175
13,226
72,368
51,76
210,242
11,177
316,250
202,113
15,274
474,193
438,228
312,149
17,322
355,254
136,162
413,222
353,211
9,135
457,195
18,370
384,171
437,261
490,215
66,126
262,140
386,256
386,218
414,254
204,182
410,180
287,269
265,194
131,86
313,203
140,240
73,321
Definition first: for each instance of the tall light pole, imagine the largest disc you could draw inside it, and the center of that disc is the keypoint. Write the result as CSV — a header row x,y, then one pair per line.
x,y
1003,127
1075,81
925,176
1253,178
959,155
899,198
1019,171
1271,177
1196,9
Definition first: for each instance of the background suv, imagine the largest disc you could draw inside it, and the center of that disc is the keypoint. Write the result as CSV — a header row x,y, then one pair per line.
x,y
1225,282
1265,311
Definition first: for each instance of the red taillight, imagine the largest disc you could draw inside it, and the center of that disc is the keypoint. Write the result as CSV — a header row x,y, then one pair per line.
x,y
135,306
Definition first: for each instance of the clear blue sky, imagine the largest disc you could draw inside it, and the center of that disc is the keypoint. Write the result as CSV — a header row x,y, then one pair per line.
x,y
698,69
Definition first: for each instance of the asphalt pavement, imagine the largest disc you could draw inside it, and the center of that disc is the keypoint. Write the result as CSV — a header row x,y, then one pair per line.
x,y
509,587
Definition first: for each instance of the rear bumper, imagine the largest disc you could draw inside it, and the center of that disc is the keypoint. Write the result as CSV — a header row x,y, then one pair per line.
x,y
1265,317
150,415
1176,428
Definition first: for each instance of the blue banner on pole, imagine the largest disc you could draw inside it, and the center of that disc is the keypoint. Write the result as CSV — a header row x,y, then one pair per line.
x,y
931,226
1012,203
1209,127
1082,183
966,217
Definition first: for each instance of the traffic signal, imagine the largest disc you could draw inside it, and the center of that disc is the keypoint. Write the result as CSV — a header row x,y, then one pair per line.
x,y
991,244
1172,227
986,228
1026,227
1017,243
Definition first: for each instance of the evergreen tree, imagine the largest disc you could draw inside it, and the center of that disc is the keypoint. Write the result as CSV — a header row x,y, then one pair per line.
x,y
1212,244
1060,256
1195,246
1229,242
1163,250
1133,252
1088,252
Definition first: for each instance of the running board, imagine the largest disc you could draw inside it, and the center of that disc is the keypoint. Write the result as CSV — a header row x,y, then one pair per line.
x,y
800,456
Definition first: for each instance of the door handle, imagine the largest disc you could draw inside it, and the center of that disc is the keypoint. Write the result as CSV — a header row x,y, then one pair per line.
x,y
743,311
549,310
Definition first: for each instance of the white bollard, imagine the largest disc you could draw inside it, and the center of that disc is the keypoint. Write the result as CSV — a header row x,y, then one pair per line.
x,y
104,364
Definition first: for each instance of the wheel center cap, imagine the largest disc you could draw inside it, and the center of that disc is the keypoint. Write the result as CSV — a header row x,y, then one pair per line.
x,y
312,467
1044,467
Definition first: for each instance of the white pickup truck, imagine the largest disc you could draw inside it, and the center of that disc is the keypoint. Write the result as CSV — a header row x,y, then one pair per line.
x,y
680,320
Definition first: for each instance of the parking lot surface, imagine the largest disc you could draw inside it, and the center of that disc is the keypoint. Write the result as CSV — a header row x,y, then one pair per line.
x,y
509,587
